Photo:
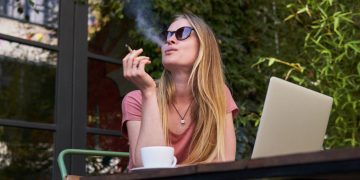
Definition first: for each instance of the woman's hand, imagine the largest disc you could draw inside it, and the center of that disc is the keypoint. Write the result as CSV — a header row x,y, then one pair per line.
x,y
134,71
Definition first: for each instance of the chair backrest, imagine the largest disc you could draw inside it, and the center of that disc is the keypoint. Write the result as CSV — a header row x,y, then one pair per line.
x,y
64,152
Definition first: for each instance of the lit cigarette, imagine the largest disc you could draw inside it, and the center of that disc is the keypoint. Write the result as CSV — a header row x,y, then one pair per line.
x,y
129,48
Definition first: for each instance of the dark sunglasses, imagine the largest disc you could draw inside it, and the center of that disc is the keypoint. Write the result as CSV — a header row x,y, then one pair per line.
x,y
180,34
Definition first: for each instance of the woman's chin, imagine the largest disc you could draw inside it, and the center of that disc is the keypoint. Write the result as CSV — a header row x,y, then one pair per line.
x,y
170,62
169,58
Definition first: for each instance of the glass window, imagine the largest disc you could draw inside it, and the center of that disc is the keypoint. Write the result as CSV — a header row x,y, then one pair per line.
x,y
106,165
106,88
36,21
27,83
25,154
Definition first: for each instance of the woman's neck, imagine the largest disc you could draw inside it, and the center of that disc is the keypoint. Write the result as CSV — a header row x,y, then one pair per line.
x,y
183,92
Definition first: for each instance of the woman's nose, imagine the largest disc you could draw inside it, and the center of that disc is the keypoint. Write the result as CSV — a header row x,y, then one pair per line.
x,y
171,39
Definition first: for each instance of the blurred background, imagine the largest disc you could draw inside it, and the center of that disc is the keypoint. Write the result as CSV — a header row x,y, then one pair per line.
x,y
61,83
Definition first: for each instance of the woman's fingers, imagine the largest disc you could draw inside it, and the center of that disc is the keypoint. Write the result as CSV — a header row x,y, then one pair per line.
x,y
135,69
125,62
135,54
138,70
141,78
128,61
126,57
141,66
135,62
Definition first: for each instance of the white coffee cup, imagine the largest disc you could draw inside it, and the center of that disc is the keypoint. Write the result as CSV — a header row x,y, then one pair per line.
x,y
158,156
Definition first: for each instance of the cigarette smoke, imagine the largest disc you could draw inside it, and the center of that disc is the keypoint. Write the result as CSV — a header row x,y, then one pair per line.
x,y
145,19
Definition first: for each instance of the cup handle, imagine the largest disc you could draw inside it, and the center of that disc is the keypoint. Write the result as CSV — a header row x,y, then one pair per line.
x,y
174,162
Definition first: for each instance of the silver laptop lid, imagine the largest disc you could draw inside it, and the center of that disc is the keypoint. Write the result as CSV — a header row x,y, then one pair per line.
x,y
294,120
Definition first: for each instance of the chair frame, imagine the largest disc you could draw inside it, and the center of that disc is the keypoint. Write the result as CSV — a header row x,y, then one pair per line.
x,y
61,163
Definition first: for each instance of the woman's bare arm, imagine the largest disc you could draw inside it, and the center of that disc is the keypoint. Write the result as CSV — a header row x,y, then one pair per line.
x,y
230,138
149,131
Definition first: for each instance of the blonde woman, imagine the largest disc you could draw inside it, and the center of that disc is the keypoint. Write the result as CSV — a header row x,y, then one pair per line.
x,y
191,109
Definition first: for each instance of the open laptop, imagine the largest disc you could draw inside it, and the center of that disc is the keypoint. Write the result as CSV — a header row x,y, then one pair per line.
x,y
294,120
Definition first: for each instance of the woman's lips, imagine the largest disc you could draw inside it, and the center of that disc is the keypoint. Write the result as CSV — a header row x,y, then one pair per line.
x,y
170,51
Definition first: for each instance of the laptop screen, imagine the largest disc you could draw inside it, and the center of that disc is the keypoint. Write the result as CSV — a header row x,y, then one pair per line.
x,y
294,120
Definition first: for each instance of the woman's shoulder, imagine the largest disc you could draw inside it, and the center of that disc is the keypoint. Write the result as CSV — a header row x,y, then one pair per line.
x,y
133,93
227,89
133,96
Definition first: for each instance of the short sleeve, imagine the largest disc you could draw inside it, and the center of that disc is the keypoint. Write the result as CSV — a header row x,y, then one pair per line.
x,y
131,109
230,103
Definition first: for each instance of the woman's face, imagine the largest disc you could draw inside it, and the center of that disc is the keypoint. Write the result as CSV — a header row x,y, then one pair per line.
x,y
180,54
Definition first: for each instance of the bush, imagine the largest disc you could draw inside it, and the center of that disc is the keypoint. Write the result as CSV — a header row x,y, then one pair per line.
x,y
329,60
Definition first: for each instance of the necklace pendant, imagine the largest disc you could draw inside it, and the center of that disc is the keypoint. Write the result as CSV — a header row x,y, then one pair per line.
x,y
182,121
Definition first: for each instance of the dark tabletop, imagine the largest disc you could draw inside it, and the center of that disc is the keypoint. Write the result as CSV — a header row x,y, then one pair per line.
x,y
330,164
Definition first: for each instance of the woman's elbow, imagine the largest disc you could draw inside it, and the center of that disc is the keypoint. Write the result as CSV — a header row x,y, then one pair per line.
x,y
136,162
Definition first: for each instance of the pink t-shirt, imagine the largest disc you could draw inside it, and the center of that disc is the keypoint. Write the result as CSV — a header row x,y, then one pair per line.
x,y
131,111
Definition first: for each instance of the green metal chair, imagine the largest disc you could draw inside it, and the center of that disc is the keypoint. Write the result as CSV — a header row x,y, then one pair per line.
x,y
61,163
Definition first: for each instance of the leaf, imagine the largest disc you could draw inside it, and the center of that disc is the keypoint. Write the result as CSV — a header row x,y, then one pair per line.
x,y
348,96
325,16
290,5
343,106
354,106
345,17
340,57
336,23
288,74
339,119
296,79
336,102
308,10
271,61
353,45
257,122
289,17
358,68
302,10
261,60
355,42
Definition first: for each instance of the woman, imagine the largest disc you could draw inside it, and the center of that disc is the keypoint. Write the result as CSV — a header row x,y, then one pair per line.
x,y
191,109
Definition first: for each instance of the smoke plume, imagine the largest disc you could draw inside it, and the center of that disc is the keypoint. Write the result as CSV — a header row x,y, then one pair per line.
x,y
146,22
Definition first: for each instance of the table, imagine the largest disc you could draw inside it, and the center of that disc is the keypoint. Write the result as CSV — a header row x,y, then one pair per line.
x,y
329,164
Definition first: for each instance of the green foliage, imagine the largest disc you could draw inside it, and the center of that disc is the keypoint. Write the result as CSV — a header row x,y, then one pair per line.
x,y
313,43
330,56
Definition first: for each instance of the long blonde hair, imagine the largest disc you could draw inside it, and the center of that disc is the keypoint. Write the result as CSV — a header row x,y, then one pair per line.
x,y
207,82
